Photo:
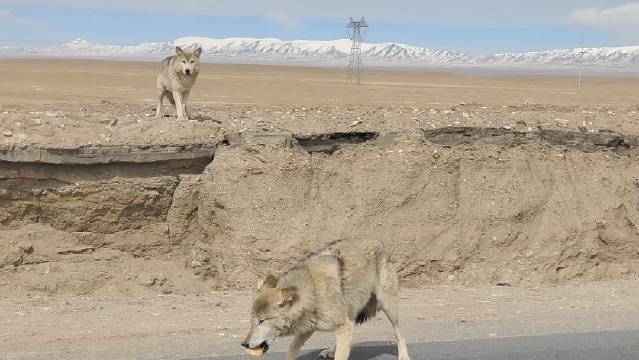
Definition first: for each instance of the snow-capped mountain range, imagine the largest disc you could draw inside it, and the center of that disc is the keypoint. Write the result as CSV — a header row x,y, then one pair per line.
x,y
337,51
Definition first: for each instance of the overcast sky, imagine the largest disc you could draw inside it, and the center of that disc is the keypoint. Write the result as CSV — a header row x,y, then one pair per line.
x,y
478,26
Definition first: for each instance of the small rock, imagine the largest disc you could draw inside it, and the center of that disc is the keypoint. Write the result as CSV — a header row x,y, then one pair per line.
x,y
54,114
26,247
113,122
7,133
465,115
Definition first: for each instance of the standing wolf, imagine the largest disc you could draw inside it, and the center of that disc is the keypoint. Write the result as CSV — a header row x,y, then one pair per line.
x,y
176,78
333,290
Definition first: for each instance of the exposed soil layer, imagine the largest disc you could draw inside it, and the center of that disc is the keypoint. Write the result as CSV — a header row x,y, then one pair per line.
x,y
122,203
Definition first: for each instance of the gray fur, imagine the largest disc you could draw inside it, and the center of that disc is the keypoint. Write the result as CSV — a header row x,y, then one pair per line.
x,y
347,283
177,76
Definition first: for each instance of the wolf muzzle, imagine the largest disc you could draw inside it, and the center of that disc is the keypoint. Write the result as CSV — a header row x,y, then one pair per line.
x,y
263,346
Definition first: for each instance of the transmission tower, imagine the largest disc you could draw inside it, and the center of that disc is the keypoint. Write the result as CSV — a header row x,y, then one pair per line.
x,y
581,61
354,70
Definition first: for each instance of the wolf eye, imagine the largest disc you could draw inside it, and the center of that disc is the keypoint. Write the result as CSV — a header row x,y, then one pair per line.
x,y
192,62
183,62
260,321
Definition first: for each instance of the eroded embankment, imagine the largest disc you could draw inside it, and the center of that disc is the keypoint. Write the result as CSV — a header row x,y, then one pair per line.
x,y
454,205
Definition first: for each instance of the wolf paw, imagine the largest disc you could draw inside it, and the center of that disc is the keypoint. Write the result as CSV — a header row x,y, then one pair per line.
x,y
327,354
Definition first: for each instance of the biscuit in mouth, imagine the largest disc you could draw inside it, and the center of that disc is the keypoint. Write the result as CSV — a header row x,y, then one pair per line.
x,y
258,351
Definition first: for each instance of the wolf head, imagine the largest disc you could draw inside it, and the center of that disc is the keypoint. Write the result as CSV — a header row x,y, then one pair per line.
x,y
188,63
270,314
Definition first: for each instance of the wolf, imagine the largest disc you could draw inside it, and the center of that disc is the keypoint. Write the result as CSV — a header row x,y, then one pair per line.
x,y
343,285
176,79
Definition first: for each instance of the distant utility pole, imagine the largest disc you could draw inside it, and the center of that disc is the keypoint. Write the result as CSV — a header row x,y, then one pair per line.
x,y
581,61
354,70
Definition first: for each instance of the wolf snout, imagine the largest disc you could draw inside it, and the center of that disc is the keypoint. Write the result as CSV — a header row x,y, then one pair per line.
x,y
187,72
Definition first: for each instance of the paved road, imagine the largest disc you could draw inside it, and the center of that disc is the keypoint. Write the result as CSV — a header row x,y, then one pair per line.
x,y
616,345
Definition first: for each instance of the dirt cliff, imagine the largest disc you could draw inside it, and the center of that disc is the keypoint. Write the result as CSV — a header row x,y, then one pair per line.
x,y
454,204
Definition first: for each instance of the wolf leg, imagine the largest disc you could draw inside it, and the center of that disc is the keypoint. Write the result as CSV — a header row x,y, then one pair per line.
x,y
343,339
185,99
158,112
328,353
296,345
179,106
387,290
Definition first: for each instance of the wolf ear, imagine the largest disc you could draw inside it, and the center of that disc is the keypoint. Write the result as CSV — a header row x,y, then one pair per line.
x,y
289,296
179,51
198,52
268,283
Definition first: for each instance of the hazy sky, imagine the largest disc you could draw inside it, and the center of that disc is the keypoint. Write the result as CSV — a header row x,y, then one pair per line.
x,y
478,26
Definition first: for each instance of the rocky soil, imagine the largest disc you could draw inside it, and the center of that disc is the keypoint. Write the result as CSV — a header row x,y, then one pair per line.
x,y
104,199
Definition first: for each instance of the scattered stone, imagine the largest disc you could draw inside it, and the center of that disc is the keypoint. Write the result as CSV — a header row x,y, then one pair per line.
x,y
113,122
76,250
7,133
157,281
55,114
504,284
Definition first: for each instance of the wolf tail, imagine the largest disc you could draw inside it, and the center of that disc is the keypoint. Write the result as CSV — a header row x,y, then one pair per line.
x,y
368,312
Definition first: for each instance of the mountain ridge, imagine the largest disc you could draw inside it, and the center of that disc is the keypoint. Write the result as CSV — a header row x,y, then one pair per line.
x,y
326,51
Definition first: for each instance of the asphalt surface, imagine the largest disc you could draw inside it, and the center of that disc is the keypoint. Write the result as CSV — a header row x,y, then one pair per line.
x,y
615,345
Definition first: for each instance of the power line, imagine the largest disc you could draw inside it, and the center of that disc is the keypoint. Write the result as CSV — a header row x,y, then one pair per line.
x,y
29,41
